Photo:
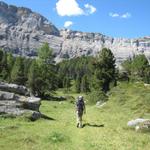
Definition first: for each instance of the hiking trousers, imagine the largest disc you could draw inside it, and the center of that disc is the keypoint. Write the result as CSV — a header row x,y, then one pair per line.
x,y
79,119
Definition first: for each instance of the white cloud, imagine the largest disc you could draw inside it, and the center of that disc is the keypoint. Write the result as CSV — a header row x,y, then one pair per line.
x,y
68,8
72,8
90,9
113,15
68,24
126,15
117,15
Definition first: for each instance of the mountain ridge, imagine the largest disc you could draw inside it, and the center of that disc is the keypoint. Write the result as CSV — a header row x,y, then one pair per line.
x,y
23,31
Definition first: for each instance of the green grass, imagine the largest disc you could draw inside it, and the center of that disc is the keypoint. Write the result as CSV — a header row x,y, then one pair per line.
x,y
127,101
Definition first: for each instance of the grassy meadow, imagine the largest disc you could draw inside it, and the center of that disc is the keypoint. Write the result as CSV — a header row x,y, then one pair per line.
x,y
105,127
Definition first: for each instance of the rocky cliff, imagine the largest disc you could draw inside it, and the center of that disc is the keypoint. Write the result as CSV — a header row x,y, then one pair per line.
x,y
23,31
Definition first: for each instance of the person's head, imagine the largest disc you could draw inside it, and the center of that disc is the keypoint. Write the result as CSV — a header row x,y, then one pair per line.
x,y
80,97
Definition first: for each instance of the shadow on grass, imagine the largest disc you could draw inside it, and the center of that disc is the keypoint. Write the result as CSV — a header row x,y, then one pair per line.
x,y
47,117
93,125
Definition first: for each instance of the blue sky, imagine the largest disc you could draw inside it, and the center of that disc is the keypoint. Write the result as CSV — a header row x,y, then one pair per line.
x,y
116,18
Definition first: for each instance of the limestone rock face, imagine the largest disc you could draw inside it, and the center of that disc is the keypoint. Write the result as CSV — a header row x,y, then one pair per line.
x,y
76,44
23,32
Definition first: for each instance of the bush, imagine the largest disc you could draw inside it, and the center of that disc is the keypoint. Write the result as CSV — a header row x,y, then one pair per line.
x,y
96,96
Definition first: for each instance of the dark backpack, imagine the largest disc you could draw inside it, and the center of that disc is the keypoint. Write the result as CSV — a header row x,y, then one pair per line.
x,y
80,105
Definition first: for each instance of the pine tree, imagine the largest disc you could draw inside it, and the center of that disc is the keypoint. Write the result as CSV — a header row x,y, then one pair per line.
x,y
139,63
66,83
1,55
10,63
17,73
1,66
45,54
27,63
147,75
47,79
4,67
105,69
78,84
32,78
137,67
85,86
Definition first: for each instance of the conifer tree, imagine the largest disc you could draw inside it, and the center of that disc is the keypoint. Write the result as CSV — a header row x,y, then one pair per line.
x,y
139,64
47,79
1,55
105,69
17,73
4,67
33,75
85,86
10,63
137,67
66,83
78,84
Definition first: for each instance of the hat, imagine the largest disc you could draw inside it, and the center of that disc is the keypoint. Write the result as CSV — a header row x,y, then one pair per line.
x,y
80,97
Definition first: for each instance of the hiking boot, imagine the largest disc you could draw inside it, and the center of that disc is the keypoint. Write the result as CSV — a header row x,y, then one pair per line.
x,y
80,126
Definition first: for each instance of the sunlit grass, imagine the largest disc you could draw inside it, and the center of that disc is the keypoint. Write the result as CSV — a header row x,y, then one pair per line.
x,y
127,101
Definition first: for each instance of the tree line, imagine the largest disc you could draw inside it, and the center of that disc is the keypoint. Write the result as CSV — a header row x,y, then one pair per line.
x,y
39,74
136,68
87,74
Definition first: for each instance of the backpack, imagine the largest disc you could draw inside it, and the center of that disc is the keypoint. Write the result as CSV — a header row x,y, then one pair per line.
x,y
80,105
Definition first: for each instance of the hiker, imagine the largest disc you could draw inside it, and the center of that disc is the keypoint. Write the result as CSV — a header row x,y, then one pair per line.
x,y
80,108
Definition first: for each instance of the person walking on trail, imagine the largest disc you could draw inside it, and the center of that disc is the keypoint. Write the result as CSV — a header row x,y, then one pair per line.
x,y
80,108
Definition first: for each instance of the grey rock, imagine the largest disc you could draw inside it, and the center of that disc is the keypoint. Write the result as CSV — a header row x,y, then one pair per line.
x,y
139,124
18,89
16,104
76,44
144,125
23,32
35,116
32,103
7,96
134,123
100,103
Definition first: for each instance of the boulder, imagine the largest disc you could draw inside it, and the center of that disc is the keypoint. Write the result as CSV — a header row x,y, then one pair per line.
x,y
100,103
14,104
143,125
139,124
14,88
6,95
32,103
35,116
135,122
